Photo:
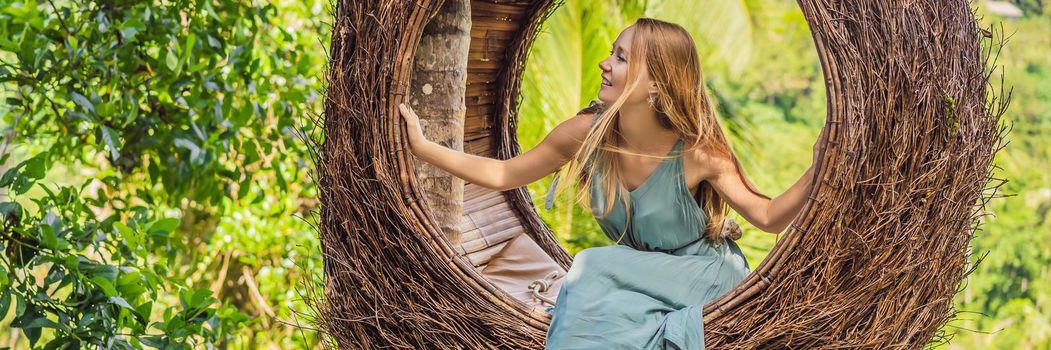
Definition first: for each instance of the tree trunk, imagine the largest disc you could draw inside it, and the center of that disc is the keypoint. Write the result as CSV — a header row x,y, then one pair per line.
x,y
439,84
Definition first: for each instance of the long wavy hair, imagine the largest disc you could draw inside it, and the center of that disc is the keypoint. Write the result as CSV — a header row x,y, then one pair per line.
x,y
668,52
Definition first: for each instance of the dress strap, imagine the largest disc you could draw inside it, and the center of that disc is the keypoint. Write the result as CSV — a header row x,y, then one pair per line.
x,y
551,193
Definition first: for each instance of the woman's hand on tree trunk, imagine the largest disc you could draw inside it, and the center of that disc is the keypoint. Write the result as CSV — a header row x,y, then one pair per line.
x,y
412,123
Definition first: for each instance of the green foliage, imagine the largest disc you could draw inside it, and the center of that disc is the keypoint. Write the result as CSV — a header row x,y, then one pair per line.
x,y
166,89
140,131
97,274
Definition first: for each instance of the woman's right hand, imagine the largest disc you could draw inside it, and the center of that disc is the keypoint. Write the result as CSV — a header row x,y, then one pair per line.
x,y
412,123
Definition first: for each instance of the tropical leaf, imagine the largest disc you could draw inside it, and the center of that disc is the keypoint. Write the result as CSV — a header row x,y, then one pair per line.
x,y
723,30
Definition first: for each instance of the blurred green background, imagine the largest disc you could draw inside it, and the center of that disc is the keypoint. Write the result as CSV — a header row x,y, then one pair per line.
x,y
153,179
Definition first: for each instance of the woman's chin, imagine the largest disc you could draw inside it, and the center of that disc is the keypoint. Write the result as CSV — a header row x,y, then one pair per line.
x,y
605,96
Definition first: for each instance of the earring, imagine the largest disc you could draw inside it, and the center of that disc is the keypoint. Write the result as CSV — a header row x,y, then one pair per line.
x,y
651,101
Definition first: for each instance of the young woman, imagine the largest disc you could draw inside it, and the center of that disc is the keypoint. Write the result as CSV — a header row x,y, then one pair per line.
x,y
653,134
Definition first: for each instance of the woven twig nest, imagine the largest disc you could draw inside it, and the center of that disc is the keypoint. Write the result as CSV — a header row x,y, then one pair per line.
x,y
872,261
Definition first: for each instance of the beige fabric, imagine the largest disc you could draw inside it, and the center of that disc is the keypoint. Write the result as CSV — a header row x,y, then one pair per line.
x,y
521,263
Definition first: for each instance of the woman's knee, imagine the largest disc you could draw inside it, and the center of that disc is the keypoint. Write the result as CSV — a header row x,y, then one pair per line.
x,y
592,259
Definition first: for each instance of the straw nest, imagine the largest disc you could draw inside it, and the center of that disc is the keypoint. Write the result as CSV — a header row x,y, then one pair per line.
x,y
873,260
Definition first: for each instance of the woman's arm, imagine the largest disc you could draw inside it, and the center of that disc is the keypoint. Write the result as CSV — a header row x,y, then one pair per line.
x,y
783,209
500,175
770,215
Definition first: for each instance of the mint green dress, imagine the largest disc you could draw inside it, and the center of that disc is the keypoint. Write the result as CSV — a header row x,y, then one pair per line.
x,y
647,291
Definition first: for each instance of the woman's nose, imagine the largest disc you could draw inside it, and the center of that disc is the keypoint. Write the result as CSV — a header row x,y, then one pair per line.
x,y
602,64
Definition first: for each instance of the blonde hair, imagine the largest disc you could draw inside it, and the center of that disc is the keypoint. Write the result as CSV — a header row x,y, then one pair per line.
x,y
668,52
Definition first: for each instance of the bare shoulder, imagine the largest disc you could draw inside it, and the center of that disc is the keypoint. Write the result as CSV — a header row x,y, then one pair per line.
x,y
569,135
709,164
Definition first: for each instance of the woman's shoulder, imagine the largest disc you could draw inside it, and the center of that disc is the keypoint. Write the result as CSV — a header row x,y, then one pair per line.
x,y
711,161
568,136
584,119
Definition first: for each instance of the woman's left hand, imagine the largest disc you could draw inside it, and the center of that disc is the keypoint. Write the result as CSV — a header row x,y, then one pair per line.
x,y
412,123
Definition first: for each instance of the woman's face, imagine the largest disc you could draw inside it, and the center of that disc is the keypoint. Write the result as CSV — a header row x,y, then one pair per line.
x,y
615,72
